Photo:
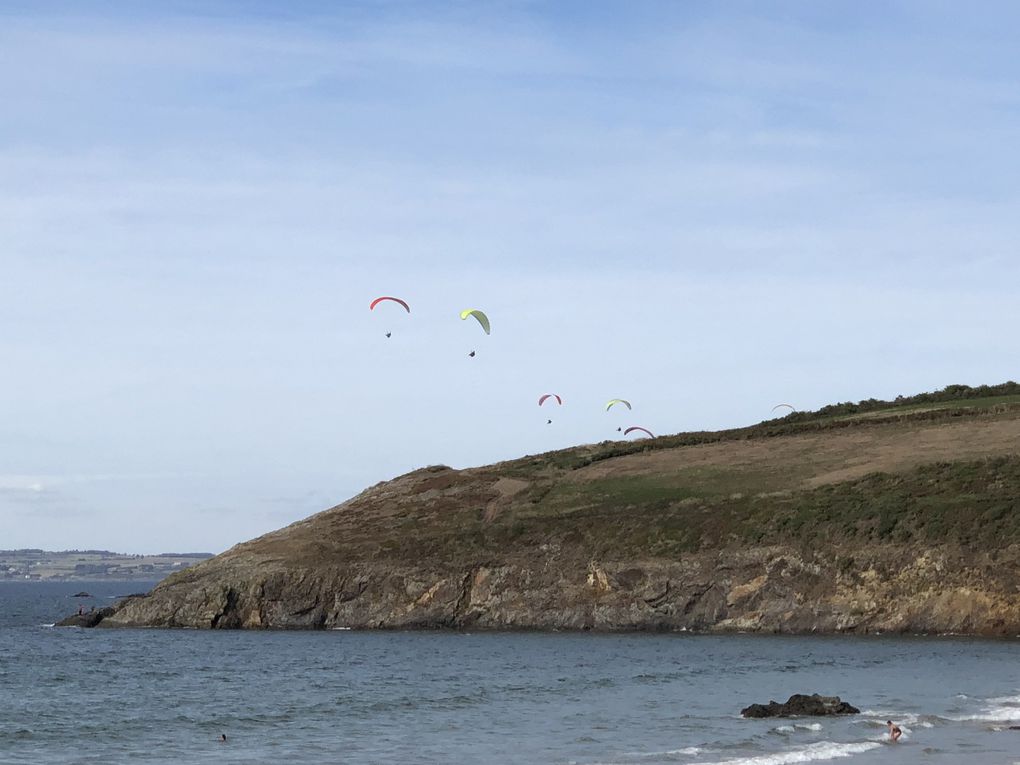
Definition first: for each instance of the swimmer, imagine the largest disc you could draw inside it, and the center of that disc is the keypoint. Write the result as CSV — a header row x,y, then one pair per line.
x,y
894,731
223,738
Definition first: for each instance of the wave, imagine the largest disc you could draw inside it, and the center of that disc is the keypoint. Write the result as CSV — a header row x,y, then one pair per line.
x,y
796,727
689,751
633,757
991,714
823,750
1002,709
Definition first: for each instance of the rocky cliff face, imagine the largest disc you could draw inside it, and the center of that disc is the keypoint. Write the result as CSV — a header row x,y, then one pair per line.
x,y
901,524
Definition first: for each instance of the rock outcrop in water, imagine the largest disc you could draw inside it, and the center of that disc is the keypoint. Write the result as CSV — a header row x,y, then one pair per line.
x,y
801,705
898,520
87,618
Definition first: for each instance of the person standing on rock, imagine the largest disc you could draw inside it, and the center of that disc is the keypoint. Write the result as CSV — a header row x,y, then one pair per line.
x,y
894,731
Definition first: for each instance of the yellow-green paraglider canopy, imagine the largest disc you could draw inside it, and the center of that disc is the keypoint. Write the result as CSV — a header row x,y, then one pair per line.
x,y
482,318
618,401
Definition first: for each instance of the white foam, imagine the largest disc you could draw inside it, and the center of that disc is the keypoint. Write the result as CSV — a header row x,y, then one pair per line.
x,y
999,709
878,718
808,726
823,750
991,714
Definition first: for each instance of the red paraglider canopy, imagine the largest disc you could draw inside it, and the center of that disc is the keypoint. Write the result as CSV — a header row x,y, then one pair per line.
x,y
547,396
378,300
643,430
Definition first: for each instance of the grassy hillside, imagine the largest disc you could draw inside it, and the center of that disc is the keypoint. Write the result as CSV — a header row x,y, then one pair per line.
x,y
929,469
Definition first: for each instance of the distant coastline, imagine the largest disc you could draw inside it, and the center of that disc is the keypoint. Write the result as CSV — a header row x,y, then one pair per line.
x,y
36,565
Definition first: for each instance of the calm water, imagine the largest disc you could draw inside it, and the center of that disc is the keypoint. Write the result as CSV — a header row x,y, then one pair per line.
x,y
99,696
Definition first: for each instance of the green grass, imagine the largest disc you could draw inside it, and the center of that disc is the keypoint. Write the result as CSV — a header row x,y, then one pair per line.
x,y
926,407
683,508
974,504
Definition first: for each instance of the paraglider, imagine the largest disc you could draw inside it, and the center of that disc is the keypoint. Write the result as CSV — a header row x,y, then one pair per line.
x,y
782,406
630,430
398,301
548,422
472,354
545,397
615,401
479,316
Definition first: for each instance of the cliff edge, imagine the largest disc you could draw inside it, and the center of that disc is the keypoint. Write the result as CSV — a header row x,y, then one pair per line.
x,y
876,517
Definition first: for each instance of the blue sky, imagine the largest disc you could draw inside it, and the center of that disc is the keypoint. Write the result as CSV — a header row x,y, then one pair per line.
x,y
704,208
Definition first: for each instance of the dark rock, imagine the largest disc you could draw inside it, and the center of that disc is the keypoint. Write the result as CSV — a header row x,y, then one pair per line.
x,y
90,619
1014,727
800,705
81,594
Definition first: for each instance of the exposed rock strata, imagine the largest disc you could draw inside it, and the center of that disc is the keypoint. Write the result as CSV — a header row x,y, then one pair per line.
x,y
722,591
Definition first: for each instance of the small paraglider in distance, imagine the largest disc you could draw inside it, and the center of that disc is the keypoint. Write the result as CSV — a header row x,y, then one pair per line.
x,y
784,406
480,317
630,430
545,397
385,298
548,422
614,401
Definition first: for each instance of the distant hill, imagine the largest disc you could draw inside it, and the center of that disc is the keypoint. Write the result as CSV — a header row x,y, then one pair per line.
x,y
88,565
898,516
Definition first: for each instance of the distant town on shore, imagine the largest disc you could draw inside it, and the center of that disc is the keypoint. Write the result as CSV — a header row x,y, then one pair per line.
x,y
91,565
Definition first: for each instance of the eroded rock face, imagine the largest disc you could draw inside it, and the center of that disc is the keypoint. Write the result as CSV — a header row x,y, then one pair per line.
x,y
769,590
801,705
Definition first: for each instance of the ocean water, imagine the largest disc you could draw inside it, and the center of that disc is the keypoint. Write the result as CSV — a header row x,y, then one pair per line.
x,y
154,696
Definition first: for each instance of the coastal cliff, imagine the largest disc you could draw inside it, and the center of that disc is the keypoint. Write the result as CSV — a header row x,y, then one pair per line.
x,y
894,517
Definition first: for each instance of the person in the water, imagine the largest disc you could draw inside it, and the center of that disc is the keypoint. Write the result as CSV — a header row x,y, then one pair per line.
x,y
223,738
894,731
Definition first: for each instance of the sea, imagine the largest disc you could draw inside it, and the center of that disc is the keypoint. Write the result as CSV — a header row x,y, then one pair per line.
x,y
69,695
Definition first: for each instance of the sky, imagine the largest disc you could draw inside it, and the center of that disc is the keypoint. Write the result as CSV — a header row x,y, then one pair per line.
x,y
704,208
